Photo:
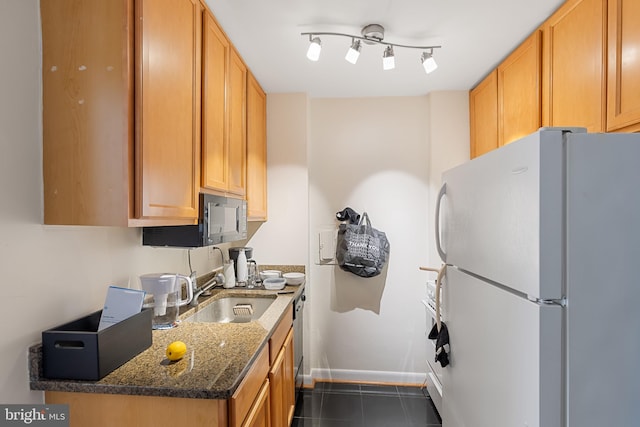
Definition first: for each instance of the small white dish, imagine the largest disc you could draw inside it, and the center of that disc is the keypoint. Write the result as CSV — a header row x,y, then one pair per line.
x,y
294,278
274,284
270,274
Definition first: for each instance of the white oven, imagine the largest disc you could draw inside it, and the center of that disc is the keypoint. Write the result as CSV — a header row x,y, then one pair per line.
x,y
434,370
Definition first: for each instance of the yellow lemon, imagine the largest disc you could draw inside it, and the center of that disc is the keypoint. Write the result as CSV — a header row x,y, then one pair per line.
x,y
176,350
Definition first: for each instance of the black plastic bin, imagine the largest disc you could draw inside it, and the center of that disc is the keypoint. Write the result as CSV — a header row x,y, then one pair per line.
x,y
77,351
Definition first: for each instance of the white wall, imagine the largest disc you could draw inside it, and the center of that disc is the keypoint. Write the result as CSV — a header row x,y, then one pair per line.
x,y
376,155
382,155
50,274
283,238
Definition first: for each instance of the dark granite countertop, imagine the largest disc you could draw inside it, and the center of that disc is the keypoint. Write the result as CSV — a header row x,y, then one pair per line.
x,y
218,355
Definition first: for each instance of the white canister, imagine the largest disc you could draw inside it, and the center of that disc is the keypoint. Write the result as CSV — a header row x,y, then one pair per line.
x,y
229,275
241,270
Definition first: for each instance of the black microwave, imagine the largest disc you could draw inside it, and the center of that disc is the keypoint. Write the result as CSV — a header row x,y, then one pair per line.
x,y
221,219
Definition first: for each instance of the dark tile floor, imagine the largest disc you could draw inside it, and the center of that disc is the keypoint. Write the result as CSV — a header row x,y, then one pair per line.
x,y
361,405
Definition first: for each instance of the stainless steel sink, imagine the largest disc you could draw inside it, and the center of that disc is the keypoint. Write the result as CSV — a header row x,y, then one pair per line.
x,y
233,309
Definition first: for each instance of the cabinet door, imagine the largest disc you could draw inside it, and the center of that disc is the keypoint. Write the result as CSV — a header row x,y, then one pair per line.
x,y
109,410
260,413
277,383
519,91
289,392
249,390
483,115
215,141
168,108
236,104
574,84
87,111
256,151
623,106
283,384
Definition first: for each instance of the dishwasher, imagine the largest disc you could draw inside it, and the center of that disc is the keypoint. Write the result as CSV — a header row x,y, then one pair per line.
x,y
298,309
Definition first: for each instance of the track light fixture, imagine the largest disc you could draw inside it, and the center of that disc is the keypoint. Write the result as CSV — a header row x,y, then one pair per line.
x,y
371,34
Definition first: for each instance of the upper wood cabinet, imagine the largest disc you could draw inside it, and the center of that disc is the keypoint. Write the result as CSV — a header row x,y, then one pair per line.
x,y
519,91
506,105
483,107
574,58
623,107
121,119
224,134
168,108
256,151
236,105
215,126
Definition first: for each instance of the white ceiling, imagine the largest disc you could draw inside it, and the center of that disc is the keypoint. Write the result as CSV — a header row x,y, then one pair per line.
x,y
475,36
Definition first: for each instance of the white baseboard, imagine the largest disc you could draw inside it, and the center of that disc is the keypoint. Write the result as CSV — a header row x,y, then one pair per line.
x,y
376,377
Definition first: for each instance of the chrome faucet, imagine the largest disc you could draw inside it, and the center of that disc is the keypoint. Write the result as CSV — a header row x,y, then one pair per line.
x,y
194,281
218,280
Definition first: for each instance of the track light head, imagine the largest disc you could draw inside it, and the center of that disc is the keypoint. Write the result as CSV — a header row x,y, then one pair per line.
x,y
313,53
354,52
388,60
428,62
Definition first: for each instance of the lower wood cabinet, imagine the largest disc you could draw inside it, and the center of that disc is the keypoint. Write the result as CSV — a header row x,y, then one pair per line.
x,y
273,369
260,413
282,385
281,372
289,392
108,410
245,397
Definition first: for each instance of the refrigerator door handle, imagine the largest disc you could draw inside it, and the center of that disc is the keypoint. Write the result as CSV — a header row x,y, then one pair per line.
x,y
443,191
562,302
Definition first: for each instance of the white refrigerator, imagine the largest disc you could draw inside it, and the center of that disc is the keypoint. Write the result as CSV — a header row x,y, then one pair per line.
x,y
542,304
